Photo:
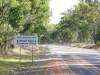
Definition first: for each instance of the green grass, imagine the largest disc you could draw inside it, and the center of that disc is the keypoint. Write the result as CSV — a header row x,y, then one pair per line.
x,y
11,62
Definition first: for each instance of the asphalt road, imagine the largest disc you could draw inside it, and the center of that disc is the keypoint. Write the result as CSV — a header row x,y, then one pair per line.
x,y
75,61
65,60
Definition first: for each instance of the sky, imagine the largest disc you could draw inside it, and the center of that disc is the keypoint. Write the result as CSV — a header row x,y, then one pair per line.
x,y
58,6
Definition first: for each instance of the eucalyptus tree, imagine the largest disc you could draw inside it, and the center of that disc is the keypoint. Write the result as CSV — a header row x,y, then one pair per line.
x,y
88,17
79,22
39,14
11,14
22,17
96,25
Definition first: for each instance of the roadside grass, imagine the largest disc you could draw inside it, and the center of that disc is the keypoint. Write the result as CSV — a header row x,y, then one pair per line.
x,y
9,63
84,45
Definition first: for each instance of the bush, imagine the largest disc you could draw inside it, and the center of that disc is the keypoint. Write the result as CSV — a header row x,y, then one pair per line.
x,y
98,43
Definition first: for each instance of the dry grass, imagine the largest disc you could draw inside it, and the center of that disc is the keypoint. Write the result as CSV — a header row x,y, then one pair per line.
x,y
11,59
84,45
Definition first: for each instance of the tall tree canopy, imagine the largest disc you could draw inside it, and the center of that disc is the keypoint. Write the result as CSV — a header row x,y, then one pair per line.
x,y
80,24
23,17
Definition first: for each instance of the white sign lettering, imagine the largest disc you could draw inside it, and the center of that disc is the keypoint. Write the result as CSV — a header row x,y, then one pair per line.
x,y
26,40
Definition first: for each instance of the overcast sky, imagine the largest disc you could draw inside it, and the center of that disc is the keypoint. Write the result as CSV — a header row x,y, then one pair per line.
x,y
58,6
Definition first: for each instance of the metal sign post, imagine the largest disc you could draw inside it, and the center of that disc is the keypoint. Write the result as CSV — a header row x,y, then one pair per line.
x,y
20,55
32,55
26,41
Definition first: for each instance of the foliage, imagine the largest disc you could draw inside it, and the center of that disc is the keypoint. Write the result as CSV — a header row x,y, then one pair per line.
x,y
80,23
52,34
55,36
23,17
10,63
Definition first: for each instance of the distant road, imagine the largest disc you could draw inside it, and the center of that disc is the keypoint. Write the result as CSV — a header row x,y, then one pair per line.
x,y
65,60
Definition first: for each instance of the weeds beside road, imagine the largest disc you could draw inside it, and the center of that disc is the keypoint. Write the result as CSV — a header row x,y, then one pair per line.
x,y
82,45
10,62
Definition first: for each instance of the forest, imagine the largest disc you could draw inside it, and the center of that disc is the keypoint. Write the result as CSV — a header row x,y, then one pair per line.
x,y
22,17
79,24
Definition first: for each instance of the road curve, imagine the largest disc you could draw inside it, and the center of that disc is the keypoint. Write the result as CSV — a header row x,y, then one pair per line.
x,y
65,60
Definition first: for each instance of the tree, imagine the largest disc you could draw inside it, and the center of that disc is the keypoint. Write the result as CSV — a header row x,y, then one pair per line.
x,y
11,14
39,14
77,24
22,17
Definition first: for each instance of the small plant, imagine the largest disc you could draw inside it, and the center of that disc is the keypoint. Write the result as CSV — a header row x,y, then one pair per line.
x,y
98,43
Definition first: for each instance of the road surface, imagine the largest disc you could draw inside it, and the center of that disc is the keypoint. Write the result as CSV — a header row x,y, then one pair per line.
x,y
65,60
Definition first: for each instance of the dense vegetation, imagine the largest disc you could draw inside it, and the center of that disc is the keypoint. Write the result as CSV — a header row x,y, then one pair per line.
x,y
22,17
80,24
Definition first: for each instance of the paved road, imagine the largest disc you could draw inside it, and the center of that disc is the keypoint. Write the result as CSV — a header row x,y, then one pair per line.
x,y
75,61
65,60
